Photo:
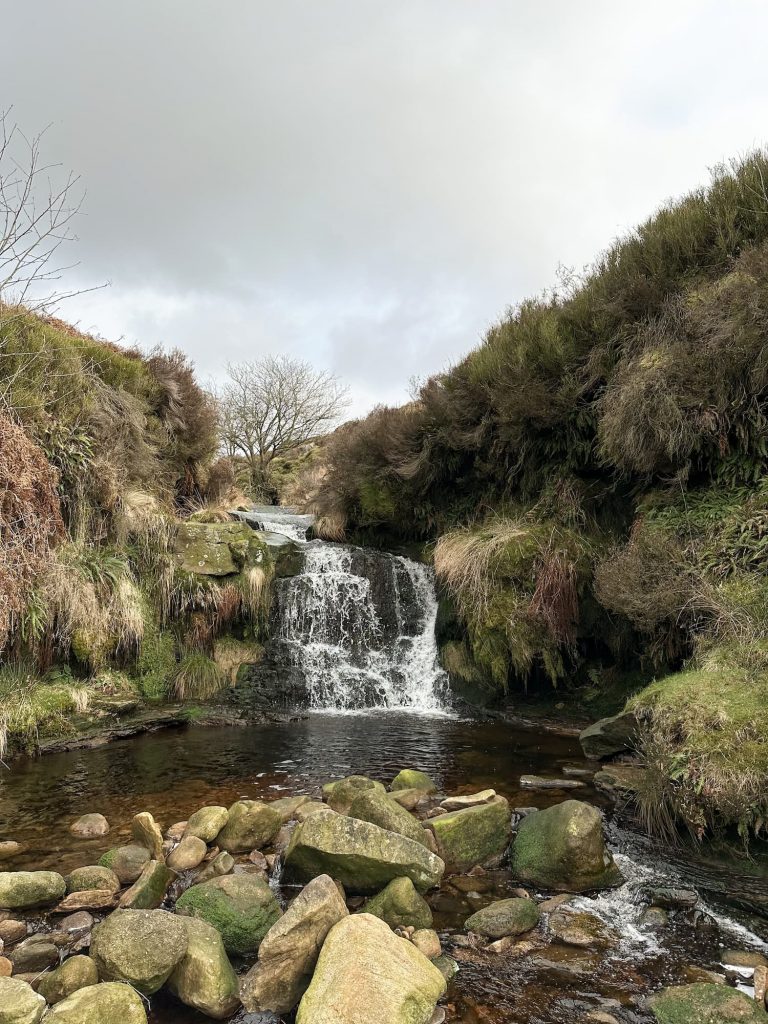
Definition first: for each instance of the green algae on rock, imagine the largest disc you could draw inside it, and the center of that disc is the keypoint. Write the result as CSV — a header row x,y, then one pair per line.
x,y
400,906
242,908
380,809
473,835
412,778
20,890
110,1003
504,917
704,1003
205,979
250,825
141,947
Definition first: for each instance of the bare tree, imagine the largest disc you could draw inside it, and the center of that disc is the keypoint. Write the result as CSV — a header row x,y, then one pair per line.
x,y
272,406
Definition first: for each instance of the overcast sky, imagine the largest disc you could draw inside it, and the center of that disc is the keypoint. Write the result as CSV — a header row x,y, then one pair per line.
x,y
367,183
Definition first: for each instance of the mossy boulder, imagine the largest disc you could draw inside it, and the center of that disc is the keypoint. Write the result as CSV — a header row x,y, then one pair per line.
x,y
149,889
140,947
146,832
381,810
92,877
705,1003
473,835
127,862
188,855
20,890
242,908
76,973
205,979
250,825
400,905
563,848
609,736
504,917
411,778
206,823
339,795
287,806
285,554
367,973
360,855
217,549
19,1003
111,1003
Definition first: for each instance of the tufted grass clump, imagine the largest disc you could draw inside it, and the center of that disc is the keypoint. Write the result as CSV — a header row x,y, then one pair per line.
x,y
197,677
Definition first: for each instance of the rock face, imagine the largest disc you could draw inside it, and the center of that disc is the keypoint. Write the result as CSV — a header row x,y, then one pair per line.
x,y
290,949
205,979
22,889
473,835
242,908
76,973
206,823
362,856
149,889
381,810
563,848
410,778
705,1004
400,906
251,824
127,862
504,917
610,736
90,826
92,877
367,973
340,795
100,1004
215,549
141,947
19,1003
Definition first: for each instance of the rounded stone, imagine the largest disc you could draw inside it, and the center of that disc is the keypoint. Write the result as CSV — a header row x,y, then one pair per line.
x,y
76,973
90,826
188,854
504,917
127,862
206,823
22,889
141,947
110,1003
93,876
19,1003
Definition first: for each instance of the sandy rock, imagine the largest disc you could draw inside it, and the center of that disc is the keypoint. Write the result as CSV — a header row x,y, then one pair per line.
x,y
188,854
146,832
90,826
206,823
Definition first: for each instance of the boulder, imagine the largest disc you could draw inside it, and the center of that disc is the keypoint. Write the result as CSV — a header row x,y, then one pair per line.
x,y
205,979
19,1003
408,798
251,824
411,778
473,835
127,862
146,832
141,947
189,854
367,973
400,905
459,803
580,928
213,549
206,823
111,1003
303,811
34,955
290,949
339,795
563,848
705,1003
381,810
609,736
285,554
90,826
504,917
92,877
10,849
87,899
242,908
20,890
149,889
76,973
360,855
287,806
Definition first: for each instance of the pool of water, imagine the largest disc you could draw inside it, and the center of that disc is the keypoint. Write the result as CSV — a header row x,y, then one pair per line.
x,y
175,772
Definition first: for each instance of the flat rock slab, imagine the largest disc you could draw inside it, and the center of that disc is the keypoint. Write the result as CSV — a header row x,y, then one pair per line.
x,y
537,782
457,803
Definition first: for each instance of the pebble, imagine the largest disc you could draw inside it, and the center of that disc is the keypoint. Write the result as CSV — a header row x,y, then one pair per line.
x,y
6,967
90,826
9,849
12,931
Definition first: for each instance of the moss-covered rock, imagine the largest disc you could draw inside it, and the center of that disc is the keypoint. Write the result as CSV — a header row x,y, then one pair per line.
x,y
563,848
610,736
19,1003
110,1003
362,856
127,862
141,947
20,890
149,889
473,835
250,825
76,973
216,549
146,832
205,979
339,795
411,778
504,917
242,908
92,877
400,905
705,1004
381,810
206,823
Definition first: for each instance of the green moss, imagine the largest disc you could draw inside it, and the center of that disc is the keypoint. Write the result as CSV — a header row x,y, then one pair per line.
x,y
400,905
705,1004
242,908
473,835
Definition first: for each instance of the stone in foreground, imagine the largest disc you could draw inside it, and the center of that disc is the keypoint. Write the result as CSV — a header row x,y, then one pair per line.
x,y
141,947
111,1003
367,973
76,973
563,848
339,795
20,890
610,736
360,855
400,906
474,835
251,824
242,908
189,854
205,979
290,949
382,810
705,1004
92,877
19,1003
504,917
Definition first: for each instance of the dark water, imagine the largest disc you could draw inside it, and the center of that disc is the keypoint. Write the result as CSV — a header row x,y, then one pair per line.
x,y
173,773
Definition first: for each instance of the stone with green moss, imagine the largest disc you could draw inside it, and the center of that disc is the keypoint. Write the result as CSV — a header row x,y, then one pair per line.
x,y
149,889
19,1003
76,973
205,979
411,778
474,835
127,862
400,905
563,848
140,947
206,823
94,876
339,795
216,549
242,908
110,1003
250,825
382,810
504,917
705,1003
20,890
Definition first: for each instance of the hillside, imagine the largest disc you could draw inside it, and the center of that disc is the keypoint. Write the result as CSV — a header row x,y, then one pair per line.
x,y
593,480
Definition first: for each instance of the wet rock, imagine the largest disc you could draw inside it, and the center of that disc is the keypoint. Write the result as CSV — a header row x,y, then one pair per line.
x,y
427,941
99,1004
149,889
289,951
188,854
510,945
380,810
700,1003
305,810
76,973
87,899
77,924
141,947
9,849
577,772
446,965
205,979
20,890
242,908
251,824
610,736
92,877
222,864
693,973
19,1003
537,782
672,898
504,917
568,961
146,832
563,848
257,858
206,823
213,549
620,781
410,778
176,832
127,862
360,855
287,806
458,803
400,905
90,826
580,928
366,973
6,967
474,835
654,919
743,958
471,883
547,906
408,798
339,795
33,955
12,931
438,1016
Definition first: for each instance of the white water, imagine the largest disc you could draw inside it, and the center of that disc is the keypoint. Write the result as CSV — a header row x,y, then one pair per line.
x,y
276,519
